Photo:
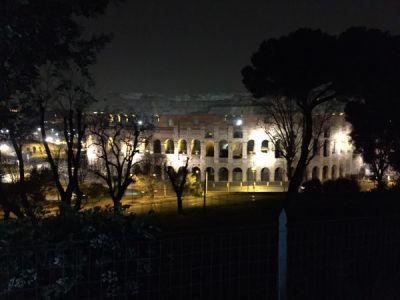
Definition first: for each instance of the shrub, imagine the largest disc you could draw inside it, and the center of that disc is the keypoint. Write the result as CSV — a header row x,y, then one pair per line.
x,y
68,256
341,186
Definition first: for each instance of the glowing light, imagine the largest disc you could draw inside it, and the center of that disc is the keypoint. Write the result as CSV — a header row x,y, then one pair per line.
x,y
342,142
140,122
49,139
239,122
4,148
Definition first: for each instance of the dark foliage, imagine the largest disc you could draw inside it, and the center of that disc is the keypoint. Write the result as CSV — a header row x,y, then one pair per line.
x,y
372,61
313,186
67,256
341,186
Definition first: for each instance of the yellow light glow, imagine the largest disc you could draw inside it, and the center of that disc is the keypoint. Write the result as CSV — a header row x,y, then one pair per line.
x,y
342,141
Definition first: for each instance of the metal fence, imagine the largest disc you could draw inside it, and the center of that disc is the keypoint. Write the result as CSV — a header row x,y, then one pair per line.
x,y
340,259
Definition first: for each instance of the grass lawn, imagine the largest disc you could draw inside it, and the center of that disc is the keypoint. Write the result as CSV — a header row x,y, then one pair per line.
x,y
264,212
245,214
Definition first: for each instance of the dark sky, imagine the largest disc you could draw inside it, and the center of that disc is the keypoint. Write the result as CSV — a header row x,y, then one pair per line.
x,y
177,47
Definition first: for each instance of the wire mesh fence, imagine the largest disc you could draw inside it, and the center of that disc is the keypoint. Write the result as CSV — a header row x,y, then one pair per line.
x,y
340,259
222,265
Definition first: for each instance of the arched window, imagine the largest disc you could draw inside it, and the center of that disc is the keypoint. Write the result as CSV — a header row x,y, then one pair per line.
x,y
237,132
341,171
169,146
278,174
326,148
196,172
264,146
210,174
237,174
250,147
334,172
210,149
250,175
237,150
325,173
327,133
34,149
223,148
182,146
157,147
195,148
265,174
223,174
278,149
315,173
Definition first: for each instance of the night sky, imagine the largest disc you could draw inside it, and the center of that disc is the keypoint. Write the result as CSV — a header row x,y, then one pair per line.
x,y
176,47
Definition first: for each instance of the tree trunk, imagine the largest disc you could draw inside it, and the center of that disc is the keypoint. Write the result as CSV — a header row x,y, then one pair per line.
x,y
297,177
21,183
179,202
117,205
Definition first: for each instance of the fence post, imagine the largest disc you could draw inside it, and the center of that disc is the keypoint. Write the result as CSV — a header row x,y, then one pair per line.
x,y
282,256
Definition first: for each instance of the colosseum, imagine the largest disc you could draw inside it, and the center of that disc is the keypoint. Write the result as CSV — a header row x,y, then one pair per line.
x,y
221,135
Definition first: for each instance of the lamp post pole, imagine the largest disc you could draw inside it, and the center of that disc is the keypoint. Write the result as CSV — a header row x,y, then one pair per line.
x,y
205,190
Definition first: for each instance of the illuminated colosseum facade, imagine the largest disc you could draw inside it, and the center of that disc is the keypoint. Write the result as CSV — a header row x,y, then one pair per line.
x,y
221,135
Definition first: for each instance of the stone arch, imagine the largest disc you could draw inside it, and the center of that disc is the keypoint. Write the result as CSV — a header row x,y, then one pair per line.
x,y
237,150
223,174
278,149
326,148
210,148
182,146
223,148
325,173
210,173
157,146
251,175
195,148
264,146
169,146
278,176
250,147
315,173
237,175
197,173
265,174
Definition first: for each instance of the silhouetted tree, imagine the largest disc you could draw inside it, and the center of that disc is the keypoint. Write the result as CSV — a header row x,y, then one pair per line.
x,y
178,181
283,124
371,59
117,146
299,66
35,33
19,119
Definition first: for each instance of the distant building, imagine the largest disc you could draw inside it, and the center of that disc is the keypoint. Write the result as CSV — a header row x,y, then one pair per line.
x,y
221,134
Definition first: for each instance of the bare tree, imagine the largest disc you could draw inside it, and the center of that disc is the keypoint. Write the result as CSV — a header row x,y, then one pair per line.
x,y
117,146
178,181
64,93
283,123
18,119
